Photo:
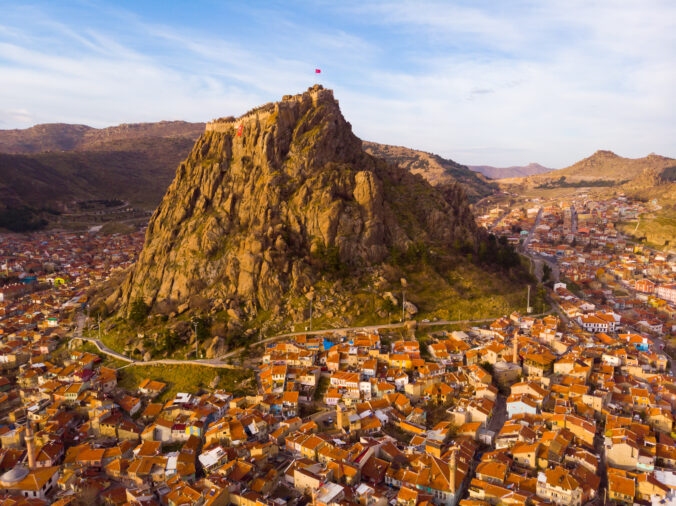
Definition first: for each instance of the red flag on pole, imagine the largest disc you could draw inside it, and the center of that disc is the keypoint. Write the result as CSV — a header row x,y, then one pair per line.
x,y
318,71
239,130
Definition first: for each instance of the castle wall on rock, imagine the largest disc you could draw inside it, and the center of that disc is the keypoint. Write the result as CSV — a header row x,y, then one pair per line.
x,y
261,114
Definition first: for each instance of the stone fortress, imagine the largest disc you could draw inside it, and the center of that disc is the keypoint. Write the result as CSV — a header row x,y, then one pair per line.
x,y
261,114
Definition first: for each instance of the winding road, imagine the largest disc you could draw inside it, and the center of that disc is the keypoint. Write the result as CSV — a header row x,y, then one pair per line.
x,y
221,362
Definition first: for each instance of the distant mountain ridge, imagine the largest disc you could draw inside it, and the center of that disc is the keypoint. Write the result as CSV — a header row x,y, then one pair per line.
x,y
134,170
605,168
66,137
49,165
46,167
509,172
435,169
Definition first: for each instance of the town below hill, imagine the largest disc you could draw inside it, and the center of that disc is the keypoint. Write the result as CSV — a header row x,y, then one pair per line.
x,y
572,407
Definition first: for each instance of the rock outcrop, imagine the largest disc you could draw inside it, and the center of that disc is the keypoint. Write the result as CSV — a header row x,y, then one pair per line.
x,y
267,204
436,170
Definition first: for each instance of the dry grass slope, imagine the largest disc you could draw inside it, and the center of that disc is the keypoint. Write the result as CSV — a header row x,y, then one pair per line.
x,y
187,378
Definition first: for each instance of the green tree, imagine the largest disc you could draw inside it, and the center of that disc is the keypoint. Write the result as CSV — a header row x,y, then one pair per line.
x,y
329,259
546,273
389,306
139,311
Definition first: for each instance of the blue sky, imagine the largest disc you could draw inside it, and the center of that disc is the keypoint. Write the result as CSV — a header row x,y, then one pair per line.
x,y
500,83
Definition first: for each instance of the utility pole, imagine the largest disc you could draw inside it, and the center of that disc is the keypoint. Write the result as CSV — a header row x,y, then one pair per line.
x,y
403,306
194,326
99,327
312,299
528,308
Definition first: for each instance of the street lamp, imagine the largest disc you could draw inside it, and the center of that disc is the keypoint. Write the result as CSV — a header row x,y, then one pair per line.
x,y
194,325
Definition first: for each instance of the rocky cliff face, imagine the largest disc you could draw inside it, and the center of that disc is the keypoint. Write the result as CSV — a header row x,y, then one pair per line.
x,y
264,202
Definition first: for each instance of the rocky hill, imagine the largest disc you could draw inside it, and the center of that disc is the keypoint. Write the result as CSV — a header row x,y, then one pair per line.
x,y
65,137
437,170
509,172
605,168
283,201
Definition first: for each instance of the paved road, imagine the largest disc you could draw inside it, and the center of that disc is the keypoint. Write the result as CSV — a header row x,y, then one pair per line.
x,y
660,346
499,219
104,349
538,263
166,361
364,328
562,315
367,328
524,245
499,417
322,416
221,361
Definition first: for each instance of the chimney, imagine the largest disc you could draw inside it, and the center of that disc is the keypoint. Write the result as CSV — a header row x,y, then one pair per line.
x,y
452,466
30,445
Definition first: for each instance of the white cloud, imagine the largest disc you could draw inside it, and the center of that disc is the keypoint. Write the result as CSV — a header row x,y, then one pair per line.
x,y
15,117
545,81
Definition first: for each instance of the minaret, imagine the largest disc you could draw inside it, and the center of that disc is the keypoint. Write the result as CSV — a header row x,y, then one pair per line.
x,y
340,420
452,466
515,357
30,446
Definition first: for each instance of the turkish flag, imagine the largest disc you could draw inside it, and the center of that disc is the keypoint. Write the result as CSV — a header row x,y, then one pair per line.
x,y
318,71
239,130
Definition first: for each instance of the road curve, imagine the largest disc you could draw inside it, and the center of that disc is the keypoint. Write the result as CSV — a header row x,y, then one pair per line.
x,y
219,362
